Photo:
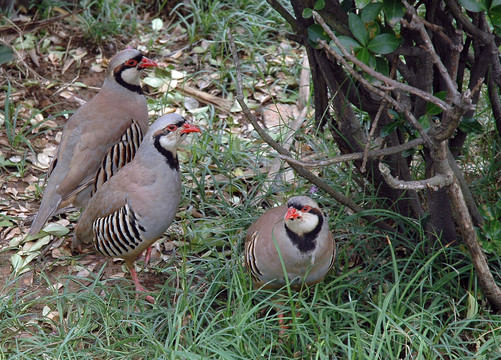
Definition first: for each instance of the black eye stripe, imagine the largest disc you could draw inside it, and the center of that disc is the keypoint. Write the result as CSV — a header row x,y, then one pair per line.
x,y
300,207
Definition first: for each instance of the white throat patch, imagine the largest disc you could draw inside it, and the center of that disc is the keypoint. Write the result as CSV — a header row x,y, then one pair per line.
x,y
303,225
131,76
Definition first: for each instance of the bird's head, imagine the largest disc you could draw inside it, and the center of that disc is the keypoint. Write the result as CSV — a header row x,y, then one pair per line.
x,y
169,131
303,215
125,68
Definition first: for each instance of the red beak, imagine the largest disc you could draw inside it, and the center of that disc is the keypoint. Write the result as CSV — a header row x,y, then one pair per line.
x,y
145,62
189,128
292,214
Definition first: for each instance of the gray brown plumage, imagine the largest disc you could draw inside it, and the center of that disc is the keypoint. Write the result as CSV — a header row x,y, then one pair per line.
x,y
134,208
300,231
100,137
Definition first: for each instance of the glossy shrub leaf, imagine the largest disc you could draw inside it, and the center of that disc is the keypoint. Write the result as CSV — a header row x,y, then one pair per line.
x,y
394,10
357,28
364,56
424,121
473,5
470,125
383,44
495,3
382,66
307,13
319,5
361,4
432,109
495,16
370,12
316,33
372,29
389,128
350,44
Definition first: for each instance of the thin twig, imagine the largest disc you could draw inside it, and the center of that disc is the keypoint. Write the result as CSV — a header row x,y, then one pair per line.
x,y
382,106
355,156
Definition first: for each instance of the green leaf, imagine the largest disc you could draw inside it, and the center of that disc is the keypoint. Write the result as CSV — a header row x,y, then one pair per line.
x,y
407,153
370,12
6,54
383,44
394,10
389,128
39,244
364,56
319,5
316,33
424,120
357,28
361,4
432,109
307,13
56,229
495,16
472,306
382,66
470,125
6,223
154,82
349,43
474,5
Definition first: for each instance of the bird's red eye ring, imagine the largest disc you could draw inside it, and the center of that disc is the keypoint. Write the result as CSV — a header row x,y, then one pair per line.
x,y
131,62
171,127
306,208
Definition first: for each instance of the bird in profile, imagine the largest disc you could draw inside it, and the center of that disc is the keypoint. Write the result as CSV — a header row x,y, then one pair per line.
x,y
290,244
98,139
134,208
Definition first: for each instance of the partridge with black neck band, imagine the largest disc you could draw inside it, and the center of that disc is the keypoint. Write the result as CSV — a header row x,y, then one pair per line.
x,y
100,138
297,235
134,208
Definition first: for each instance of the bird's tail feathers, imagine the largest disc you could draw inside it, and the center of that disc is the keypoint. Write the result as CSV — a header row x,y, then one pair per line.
x,y
47,208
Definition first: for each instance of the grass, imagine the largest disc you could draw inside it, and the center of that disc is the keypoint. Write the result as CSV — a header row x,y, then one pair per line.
x,y
390,296
410,308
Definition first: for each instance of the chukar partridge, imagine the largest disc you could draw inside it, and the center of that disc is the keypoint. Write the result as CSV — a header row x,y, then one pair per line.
x,y
300,232
134,208
101,137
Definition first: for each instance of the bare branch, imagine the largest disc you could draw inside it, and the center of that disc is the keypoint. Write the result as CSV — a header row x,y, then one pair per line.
x,y
355,156
371,134
436,182
417,23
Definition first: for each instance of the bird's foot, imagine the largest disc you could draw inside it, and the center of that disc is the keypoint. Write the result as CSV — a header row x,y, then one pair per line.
x,y
139,287
147,256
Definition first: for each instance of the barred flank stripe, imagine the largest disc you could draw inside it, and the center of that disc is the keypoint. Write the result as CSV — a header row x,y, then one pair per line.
x,y
118,233
118,155
250,258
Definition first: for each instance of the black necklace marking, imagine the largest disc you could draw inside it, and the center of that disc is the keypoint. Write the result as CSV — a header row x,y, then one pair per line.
x,y
117,73
170,158
307,241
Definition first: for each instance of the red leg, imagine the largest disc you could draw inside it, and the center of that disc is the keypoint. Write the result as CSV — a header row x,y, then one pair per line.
x,y
139,287
147,256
